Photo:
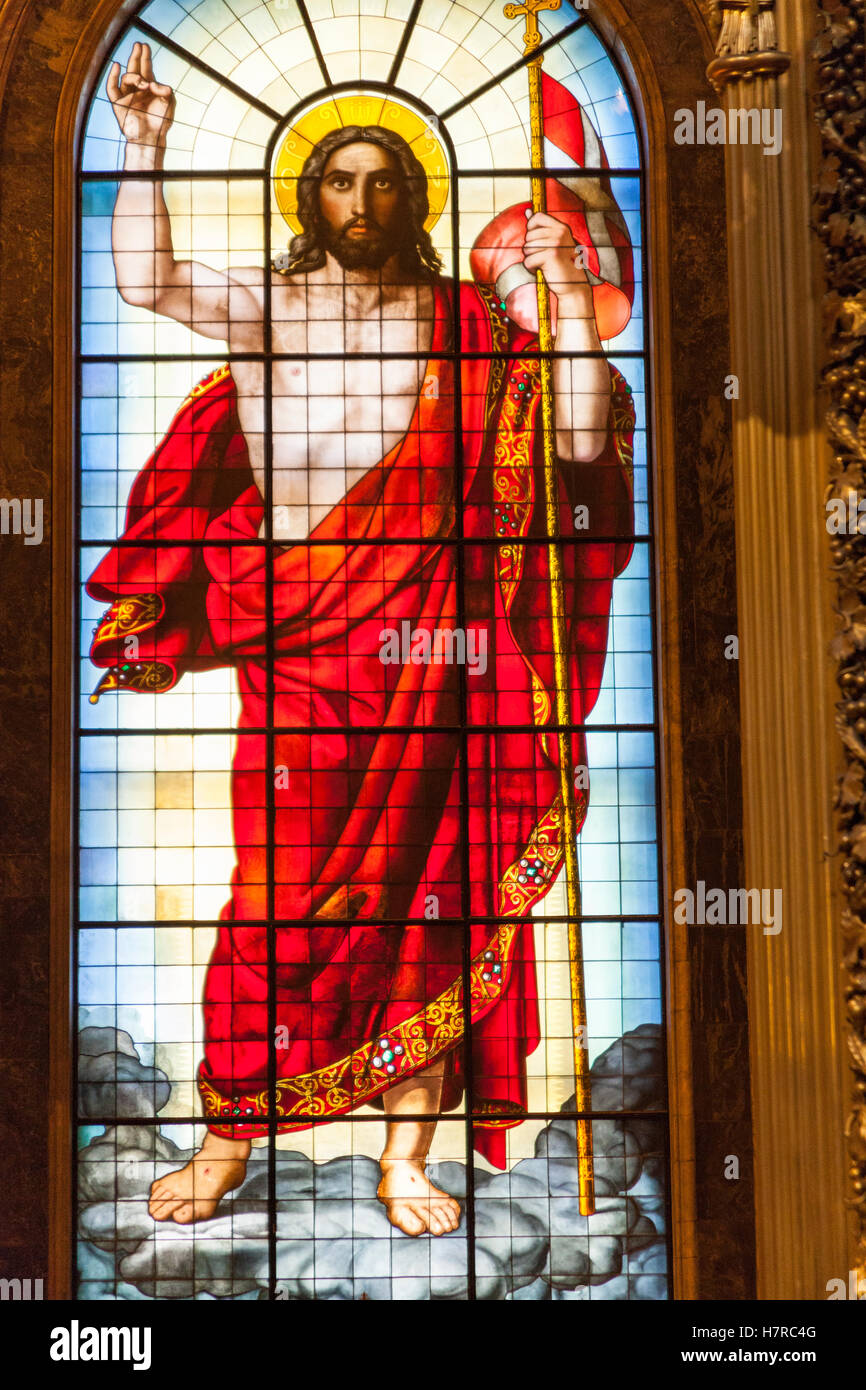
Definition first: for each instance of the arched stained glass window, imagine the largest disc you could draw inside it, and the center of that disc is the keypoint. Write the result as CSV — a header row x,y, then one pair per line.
x,y
366,649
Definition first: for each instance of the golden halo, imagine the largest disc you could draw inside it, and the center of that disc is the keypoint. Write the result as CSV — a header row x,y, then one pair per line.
x,y
361,108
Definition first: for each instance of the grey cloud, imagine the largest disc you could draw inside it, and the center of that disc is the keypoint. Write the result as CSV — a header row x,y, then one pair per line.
x,y
333,1238
112,1079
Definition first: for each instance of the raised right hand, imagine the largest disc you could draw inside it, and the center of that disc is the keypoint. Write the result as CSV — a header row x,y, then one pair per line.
x,y
144,108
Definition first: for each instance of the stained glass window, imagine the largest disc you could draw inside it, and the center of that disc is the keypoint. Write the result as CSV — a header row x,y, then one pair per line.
x,y
354,536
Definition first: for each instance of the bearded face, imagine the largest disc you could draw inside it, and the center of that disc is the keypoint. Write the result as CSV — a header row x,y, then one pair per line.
x,y
361,206
359,246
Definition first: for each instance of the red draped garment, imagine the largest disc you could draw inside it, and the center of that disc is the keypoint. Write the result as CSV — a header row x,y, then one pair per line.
x,y
415,822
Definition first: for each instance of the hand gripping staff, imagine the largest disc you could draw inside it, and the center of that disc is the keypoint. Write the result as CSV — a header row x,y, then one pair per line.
x,y
582,1091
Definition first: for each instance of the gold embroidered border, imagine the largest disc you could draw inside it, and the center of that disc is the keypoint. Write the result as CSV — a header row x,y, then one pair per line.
x,y
527,880
513,487
145,677
513,491
127,616
439,1027
499,335
355,1079
622,422
136,613
513,476
217,376
201,388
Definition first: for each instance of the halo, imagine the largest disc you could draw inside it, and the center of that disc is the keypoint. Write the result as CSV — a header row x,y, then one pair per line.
x,y
359,108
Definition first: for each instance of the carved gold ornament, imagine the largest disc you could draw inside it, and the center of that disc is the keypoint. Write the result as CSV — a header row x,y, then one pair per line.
x,y
747,46
839,213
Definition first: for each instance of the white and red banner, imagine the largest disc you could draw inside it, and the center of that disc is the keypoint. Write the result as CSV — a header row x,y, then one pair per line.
x,y
585,202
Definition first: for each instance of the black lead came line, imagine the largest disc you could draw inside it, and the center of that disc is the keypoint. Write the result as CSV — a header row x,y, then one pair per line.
x,y
439,731
552,171
404,43
465,1046
440,543
509,72
315,1122
165,42
311,33
208,924
329,355
270,755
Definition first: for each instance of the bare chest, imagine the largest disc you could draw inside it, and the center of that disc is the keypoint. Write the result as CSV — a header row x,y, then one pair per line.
x,y
365,384
339,402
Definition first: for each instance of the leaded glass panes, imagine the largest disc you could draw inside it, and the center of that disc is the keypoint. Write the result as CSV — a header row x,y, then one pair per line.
x,y
320,832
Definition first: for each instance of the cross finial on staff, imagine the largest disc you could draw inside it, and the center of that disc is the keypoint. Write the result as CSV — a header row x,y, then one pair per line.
x,y
532,37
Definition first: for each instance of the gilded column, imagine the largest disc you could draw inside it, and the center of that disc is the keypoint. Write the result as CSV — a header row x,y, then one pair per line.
x,y
840,205
785,626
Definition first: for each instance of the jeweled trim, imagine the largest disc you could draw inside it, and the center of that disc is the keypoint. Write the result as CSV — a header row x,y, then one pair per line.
x,y
417,1042
126,616
527,880
354,1080
144,677
499,340
514,501
513,481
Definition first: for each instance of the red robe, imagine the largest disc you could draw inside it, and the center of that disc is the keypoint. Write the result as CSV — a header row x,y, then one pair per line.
x,y
371,903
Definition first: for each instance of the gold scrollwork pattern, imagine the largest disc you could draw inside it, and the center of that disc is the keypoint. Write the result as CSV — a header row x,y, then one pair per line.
x,y
513,483
514,499
621,422
499,336
144,677
354,1080
214,378
127,616
527,880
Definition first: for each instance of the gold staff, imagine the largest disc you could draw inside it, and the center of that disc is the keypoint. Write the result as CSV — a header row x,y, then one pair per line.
x,y
582,1092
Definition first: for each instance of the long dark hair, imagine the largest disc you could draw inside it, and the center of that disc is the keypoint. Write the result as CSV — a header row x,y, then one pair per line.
x,y
417,254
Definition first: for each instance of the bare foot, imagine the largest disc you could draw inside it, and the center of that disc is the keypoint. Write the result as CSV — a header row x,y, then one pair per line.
x,y
412,1202
193,1193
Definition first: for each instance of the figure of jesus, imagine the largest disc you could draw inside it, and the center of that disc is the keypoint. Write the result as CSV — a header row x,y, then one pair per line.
x,y
372,986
